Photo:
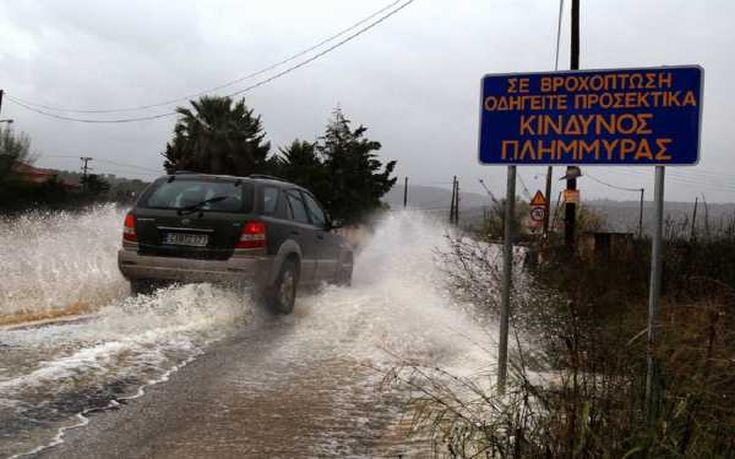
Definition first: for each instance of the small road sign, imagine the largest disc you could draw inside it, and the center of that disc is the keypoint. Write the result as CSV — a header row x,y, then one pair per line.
x,y
634,117
538,214
571,196
538,199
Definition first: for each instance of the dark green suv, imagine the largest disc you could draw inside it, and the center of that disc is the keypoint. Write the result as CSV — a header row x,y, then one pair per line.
x,y
255,230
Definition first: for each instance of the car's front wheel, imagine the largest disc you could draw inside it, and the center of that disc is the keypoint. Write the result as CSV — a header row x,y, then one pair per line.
x,y
282,295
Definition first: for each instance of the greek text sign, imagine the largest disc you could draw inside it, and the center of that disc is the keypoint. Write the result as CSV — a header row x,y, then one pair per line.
x,y
639,117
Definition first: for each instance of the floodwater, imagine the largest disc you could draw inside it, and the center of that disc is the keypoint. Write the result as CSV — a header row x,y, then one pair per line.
x,y
325,360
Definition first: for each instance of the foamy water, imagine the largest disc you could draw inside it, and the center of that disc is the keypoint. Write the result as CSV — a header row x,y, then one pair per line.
x,y
53,260
398,309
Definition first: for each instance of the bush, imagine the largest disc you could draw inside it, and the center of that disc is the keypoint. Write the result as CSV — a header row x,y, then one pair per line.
x,y
577,372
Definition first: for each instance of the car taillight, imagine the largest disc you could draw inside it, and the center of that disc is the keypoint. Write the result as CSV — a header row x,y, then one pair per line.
x,y
129,229
252,236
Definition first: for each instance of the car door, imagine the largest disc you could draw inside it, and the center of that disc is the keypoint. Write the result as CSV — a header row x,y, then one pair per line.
x,y
327,242
305,233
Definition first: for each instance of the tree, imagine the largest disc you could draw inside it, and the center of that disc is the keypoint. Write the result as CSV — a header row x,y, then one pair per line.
x,y
95,185
218,137
356,180
18,189
494,222
300,163
14,148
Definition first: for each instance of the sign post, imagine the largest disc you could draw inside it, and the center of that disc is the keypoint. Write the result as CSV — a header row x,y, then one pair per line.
x,y
510,197
653,295
616,117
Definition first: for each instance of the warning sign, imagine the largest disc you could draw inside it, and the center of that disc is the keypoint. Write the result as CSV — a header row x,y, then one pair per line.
x,y
538,199
636,117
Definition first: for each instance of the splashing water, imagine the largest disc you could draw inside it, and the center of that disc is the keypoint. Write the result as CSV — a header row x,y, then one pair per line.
x,y
398,308
57,260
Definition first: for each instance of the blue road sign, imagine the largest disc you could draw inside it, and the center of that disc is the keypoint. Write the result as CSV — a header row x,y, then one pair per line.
x,y
647,116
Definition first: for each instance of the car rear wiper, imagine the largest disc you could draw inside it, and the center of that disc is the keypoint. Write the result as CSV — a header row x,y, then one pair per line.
x,y
194,207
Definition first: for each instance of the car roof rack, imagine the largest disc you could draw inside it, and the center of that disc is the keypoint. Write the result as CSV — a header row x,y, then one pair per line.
x,y
267,177
184,172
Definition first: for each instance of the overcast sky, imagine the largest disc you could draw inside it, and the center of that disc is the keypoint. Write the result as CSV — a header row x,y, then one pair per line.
x,y
413,80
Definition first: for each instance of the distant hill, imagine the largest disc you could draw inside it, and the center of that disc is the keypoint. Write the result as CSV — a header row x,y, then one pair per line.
x,y
624,215
620,216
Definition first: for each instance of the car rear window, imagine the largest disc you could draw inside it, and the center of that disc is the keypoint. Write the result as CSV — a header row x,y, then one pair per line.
x,y
217,195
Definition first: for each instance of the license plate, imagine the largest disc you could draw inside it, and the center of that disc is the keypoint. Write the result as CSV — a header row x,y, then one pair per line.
x,y
190,240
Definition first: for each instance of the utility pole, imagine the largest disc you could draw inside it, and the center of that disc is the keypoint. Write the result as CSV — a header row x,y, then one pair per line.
x,y
456,204
571,207
451,208
693,233
706,217
640,216
85,168
1,99
547,216
405,192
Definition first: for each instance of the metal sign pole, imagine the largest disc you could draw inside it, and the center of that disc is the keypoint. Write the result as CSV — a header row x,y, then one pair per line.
x,y
510,199
654,294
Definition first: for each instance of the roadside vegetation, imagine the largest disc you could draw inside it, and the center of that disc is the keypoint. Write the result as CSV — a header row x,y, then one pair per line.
x,y
23,186
578,361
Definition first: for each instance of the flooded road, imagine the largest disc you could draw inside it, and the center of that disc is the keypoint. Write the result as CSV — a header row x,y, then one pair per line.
x,y
198,370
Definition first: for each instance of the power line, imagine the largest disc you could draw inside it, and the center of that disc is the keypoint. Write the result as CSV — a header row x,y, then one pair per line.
x,y
90,120
121,164
686,180
322,53
303,63
637,190
525,188
224,85
131,166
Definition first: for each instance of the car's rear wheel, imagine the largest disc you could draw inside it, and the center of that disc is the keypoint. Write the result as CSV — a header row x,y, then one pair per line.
x,y
282,295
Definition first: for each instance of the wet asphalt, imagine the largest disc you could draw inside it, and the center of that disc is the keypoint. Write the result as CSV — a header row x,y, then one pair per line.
x,y
258,393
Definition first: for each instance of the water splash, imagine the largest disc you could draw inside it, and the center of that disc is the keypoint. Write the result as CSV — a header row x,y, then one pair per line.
x,y
57,260
399,307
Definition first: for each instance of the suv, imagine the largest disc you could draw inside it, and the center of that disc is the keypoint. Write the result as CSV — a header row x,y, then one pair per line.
x,y
256,230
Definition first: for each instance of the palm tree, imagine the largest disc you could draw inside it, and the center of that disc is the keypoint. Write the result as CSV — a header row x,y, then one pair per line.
x,y
218,137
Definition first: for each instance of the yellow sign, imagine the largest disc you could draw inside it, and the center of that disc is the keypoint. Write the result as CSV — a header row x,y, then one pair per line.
x,y
538,199
571,196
